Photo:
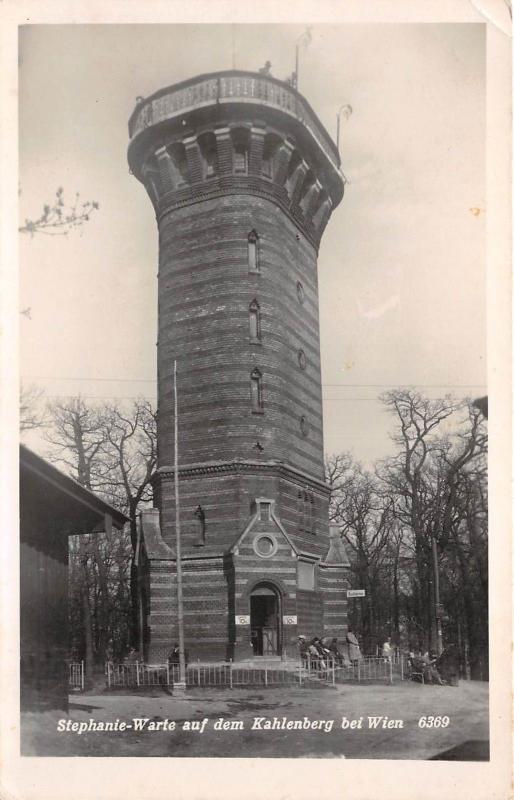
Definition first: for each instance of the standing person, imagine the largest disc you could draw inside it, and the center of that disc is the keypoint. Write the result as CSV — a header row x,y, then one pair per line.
x,y
303,647
387,650
174,656
354,652
448,665
430,671
132,657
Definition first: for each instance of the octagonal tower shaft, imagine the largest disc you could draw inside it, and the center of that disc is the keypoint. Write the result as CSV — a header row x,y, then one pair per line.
x,y
243,178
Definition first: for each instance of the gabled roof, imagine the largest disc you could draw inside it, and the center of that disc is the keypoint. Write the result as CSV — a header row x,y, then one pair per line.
x,y
254,519
36,468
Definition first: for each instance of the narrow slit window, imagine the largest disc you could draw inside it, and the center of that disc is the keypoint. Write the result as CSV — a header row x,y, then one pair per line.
x,y
253,255
301,511
255,321
256,391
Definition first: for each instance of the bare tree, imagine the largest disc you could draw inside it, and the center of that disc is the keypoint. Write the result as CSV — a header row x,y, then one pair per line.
x,y
58,218
32,415
77,436
130,457
111,450
365,522
418,420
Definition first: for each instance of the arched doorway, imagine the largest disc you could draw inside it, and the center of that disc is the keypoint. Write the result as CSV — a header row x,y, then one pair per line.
x,y
265,618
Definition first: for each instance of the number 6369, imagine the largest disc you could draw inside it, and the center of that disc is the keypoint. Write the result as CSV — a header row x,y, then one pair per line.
x,y
433,722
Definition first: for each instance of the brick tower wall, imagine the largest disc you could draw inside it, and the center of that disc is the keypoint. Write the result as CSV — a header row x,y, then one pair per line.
x,y
243,178
205,291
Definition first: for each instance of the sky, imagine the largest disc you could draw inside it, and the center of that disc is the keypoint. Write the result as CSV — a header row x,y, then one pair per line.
x,y
402,262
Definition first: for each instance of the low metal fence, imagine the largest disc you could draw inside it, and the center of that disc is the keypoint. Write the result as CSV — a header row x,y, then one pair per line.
x,y
225,674
229,675
367,668
76,675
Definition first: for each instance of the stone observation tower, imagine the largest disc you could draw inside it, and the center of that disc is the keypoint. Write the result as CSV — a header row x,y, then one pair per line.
x,y
243,178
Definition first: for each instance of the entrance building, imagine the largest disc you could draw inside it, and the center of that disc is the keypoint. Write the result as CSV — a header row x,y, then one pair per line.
x,y
243,178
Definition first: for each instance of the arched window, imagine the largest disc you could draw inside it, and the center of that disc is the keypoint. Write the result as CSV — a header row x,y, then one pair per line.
x,y
177,152
256,391
293,165
255,321
301,508
253,252
306,522
240,150
311,526
199,516
207,144
271,144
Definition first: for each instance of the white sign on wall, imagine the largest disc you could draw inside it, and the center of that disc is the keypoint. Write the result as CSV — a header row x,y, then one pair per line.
x,y
356,593
290,619
242,619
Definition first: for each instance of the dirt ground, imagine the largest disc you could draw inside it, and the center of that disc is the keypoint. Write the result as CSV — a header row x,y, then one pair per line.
x,y
333,708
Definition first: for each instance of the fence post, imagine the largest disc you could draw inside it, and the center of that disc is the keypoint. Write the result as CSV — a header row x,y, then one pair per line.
x,y
333,672
300,672
137,673
401,666
231,683
167,673
109,674
265,676
359,671
82,675
391,672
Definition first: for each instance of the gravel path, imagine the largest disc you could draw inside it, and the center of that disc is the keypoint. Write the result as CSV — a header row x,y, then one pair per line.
x,y
239,735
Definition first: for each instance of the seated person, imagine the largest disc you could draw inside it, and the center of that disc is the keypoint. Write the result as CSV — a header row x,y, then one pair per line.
x,y
430,672
335,653
417,665
316,652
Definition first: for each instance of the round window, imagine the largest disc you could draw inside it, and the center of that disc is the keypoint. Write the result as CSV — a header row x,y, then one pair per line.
x,y
304,426
300,292
265,545
302,359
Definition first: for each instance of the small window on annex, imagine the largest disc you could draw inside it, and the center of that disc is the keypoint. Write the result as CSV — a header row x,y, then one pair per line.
x,y
253,252
255,321
265,512
306,576
256,391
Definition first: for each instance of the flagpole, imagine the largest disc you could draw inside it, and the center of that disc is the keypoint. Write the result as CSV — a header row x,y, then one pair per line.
x,y
180,610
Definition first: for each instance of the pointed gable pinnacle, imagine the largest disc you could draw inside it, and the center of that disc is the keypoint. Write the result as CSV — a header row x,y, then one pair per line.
x,y
336,552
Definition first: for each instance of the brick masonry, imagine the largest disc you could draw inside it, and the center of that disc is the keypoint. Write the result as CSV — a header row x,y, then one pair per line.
x,y
224,181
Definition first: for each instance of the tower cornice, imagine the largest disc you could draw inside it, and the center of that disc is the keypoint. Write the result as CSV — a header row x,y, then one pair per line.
x,y
225,87
236,131
235,467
